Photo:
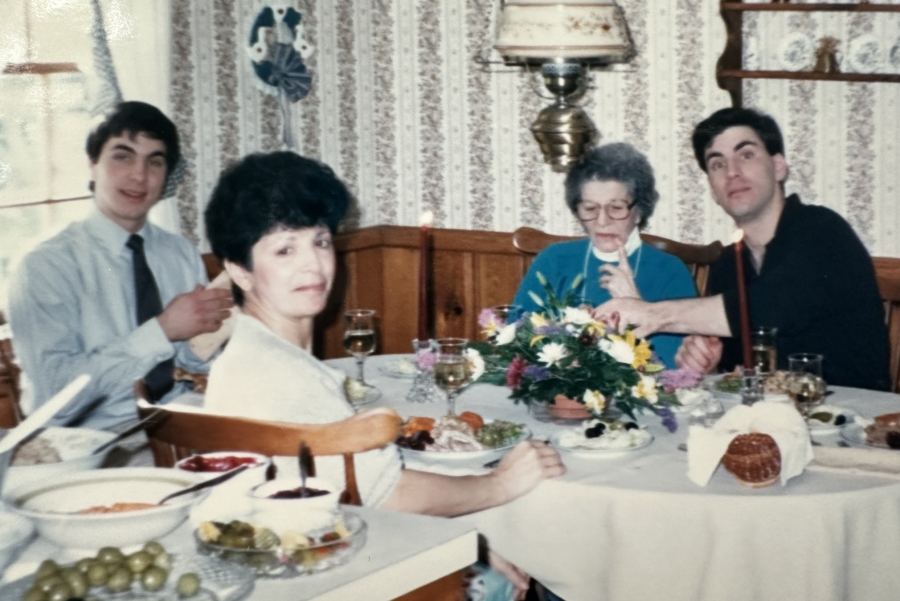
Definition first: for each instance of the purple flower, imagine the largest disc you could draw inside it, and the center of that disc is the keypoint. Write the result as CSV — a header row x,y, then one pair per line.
x,y
668,418
514,372
486,317
426,359
551,330
535,372
686,377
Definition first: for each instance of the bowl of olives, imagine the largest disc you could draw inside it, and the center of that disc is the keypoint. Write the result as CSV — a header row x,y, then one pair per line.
x,y
106,508
149,573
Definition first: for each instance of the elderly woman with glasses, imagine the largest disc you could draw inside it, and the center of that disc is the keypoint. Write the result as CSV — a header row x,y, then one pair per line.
x,y
612,192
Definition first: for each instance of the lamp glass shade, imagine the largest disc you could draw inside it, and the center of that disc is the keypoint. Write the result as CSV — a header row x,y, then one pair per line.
x,y
586,30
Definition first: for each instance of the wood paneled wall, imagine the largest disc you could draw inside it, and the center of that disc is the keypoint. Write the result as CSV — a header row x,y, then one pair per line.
x,y
378,269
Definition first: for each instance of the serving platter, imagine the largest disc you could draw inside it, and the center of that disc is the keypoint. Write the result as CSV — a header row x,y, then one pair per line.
x,y
463,457
855,434
818,427
597,453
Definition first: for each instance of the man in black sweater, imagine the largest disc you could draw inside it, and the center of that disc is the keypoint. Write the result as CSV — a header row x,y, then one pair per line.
x,y
807,272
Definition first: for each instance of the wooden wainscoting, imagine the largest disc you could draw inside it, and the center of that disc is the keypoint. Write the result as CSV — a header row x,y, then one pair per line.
x,y
378,269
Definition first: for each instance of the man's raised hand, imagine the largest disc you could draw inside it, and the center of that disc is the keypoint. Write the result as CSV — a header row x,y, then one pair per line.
x,y
201,310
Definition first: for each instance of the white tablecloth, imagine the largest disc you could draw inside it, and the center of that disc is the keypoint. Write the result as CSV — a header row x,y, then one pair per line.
x,y
634,527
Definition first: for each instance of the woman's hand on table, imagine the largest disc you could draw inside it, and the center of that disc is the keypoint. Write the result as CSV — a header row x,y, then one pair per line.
x,y
619,279
519,579
699,352
523,468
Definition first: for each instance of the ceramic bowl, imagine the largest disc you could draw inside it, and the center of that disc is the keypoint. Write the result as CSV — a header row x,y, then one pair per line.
x,y
53,506
302,514
74,446
229,500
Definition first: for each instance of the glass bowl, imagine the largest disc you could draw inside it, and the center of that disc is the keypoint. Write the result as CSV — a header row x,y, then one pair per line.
x,y
281,562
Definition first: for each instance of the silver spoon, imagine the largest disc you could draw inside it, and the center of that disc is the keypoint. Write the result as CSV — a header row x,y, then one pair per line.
x,y
205,484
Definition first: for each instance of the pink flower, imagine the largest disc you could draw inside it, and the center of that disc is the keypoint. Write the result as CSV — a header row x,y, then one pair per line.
x,y
514,372
486,317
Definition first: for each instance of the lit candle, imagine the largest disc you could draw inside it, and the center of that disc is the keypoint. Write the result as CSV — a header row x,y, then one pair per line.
x,y
742,298
425,221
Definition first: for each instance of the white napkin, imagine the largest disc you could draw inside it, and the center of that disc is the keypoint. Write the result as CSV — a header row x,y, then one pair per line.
x,y
782,422
206,344
884,463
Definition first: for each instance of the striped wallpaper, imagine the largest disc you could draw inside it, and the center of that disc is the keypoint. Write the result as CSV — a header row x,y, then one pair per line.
x,y
404,112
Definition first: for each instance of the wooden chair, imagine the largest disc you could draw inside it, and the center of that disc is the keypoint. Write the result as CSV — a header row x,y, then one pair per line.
x,y
175,434
10,392
887,273
697,257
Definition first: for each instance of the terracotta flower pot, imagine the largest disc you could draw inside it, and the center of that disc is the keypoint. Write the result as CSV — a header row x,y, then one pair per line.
x,y
567,408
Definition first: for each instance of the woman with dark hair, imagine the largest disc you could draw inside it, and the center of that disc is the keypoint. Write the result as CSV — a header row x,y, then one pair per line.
x,y
271,220
612,192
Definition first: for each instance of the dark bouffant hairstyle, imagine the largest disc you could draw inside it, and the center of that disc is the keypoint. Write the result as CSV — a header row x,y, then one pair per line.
x,y
264,192
136,118
618,162
764,126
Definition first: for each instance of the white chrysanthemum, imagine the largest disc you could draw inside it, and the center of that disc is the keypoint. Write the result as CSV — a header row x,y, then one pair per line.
x,y
619,350
476,363
507,334
552,353
646,389
594,401
577,316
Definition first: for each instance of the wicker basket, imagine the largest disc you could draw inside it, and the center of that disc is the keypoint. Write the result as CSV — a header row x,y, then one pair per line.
x,y
754,459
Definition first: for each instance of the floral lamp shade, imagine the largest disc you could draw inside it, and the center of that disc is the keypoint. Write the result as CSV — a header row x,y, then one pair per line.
x,y
586,30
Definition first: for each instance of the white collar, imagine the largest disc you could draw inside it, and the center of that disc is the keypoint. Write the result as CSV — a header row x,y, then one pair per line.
x,y
631,244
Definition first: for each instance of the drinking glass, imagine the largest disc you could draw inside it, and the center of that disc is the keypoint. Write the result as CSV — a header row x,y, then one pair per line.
x,y
764,354
751,385
804,381
506,313
451,368
359,338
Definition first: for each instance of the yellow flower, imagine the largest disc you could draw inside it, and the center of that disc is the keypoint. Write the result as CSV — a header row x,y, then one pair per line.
x,y
538,320
646,389
536,339
641,354
595,328
594,401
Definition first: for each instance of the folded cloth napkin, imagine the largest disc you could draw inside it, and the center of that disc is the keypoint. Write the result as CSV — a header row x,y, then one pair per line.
x,y
205,345
782,422
864,462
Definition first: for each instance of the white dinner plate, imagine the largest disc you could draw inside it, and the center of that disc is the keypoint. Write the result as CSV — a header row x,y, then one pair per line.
x,y
855,434
796,52
372,395
865,55
597,453
817,427
710,383
463,457
400,367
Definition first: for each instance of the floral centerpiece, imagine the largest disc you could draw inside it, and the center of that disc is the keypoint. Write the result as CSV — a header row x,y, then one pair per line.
x,y
563,350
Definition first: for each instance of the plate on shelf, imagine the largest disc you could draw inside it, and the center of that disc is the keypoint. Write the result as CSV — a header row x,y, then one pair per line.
x,y
624,441
400,367
796,52
219,581
893,57
864,55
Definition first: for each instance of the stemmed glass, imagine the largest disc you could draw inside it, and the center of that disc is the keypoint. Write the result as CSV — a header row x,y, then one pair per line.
x,y
804,381
451,368
506,313
359,338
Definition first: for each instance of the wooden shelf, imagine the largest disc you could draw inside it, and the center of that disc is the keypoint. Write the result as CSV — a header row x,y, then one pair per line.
x,y
818,7
811,75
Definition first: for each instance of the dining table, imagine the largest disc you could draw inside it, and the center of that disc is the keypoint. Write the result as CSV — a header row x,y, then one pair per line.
x,y
631,526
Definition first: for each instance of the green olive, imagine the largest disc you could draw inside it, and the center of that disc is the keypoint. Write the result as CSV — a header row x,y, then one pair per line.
x,y
154,548
164,561
188,585
96,575
120,580
110,555
34,594
112,567
60,592
48,567
76,581
47,583
139,561
85,564
154,578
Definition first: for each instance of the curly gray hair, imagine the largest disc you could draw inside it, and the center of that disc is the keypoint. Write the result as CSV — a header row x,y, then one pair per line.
x,y
618,162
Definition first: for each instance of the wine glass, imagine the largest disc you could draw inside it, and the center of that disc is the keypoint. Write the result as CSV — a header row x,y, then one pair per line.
x,y
359,338
504,314
804,381
451,368
764,354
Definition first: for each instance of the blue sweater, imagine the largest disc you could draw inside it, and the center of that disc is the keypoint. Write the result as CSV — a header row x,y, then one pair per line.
x,y
660,276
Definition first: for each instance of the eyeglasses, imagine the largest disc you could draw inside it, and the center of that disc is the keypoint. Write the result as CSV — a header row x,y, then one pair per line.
x,y
615,210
